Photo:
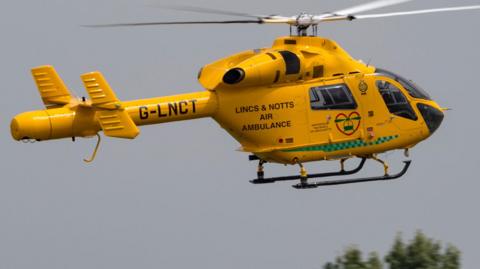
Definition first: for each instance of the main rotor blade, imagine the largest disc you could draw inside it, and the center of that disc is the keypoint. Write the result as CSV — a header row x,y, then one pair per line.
x,y
208,11
174,23
369,6
415,12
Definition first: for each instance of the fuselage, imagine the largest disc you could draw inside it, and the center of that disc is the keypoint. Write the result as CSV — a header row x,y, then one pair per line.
x,y
303,99
306,99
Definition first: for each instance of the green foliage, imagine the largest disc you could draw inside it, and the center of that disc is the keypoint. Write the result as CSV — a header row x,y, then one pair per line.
x,y
451,258
397,258
420,253
352,259
374,261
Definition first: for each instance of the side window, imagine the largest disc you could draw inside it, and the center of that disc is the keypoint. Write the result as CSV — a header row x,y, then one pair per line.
x,y
331,97
292,62
396,102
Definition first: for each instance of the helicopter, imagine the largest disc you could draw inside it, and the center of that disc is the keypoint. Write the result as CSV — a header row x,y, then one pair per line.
x,y
301,100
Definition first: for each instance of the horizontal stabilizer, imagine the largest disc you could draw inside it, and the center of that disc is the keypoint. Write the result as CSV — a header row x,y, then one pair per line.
x,y
51,87
113,119
117,123
100,93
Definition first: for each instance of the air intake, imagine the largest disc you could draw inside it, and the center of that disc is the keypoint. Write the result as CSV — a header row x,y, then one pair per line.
x,y
234,76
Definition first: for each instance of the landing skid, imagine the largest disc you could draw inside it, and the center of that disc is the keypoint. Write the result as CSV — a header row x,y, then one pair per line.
x,y
303,177
330,174
355,180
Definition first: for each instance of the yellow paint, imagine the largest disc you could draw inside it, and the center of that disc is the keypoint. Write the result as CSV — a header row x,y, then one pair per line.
x,y
268,111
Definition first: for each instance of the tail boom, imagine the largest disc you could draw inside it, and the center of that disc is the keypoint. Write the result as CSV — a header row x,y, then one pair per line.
x,y
104,112
172,108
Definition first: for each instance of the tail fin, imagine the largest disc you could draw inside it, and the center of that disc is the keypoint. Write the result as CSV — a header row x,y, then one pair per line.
x,y
51,87
113,119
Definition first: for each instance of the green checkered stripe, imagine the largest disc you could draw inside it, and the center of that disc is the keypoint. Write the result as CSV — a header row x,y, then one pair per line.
x,y
345,145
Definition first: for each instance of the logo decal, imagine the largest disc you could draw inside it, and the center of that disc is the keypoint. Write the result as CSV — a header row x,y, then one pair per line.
x,y
363,87
348,125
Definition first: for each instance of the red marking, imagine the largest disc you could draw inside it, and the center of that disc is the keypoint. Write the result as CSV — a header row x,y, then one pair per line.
x,y
355,124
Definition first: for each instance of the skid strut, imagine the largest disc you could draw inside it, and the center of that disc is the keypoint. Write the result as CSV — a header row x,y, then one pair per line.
x,y
342,172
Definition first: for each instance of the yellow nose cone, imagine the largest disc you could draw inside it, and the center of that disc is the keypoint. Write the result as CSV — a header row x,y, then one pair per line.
x,y
15,129
31,125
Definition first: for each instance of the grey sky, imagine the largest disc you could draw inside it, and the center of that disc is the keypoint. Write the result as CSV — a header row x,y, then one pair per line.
x,y
178,196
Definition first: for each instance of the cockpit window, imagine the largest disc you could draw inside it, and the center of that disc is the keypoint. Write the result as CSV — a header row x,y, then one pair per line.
x,y
292,62
396,102
331,97
413,89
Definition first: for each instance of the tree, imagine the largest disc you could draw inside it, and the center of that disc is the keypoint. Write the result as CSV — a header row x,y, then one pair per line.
x,y
420,253
352,259
374,261
423,253
451,258
397,256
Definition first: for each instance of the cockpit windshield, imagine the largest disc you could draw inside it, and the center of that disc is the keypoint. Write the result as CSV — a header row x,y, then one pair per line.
x,y
413,90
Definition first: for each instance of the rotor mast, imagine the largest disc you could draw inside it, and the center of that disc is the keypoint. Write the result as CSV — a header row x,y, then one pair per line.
x,y
304,21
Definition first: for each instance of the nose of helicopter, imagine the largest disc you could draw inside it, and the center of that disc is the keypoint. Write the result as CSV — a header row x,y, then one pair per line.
x,y
433,116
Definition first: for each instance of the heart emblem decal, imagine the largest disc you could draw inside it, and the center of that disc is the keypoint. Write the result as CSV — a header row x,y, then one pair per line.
x,y
348,125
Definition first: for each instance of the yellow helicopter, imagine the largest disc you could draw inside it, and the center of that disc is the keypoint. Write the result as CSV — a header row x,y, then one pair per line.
x,y
303,99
